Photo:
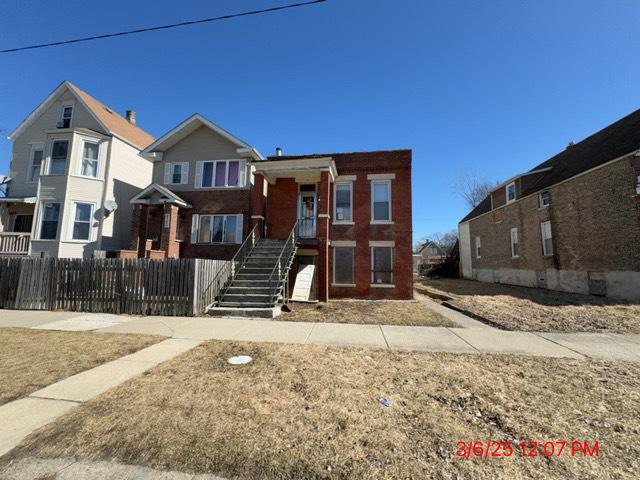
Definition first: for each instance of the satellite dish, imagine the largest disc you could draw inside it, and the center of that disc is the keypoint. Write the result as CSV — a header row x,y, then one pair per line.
x,y
110,205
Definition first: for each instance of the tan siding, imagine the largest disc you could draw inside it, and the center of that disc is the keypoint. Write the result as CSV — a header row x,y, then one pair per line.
x,y
202,144
36,133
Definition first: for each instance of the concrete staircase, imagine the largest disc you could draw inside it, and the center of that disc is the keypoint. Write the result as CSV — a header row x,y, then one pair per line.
x,y
249,293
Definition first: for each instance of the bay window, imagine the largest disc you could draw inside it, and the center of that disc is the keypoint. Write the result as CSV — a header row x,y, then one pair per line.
x,y
82,221
59,153
89,164
50,216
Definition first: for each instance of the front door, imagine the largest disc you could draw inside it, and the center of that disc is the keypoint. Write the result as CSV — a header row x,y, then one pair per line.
x,y
307,210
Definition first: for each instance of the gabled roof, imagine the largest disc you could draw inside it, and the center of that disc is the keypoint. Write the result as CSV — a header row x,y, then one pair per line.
x,y
615,141
189,126
106,118
167,196
432,244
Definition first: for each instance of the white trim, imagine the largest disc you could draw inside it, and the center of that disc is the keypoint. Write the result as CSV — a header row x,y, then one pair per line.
x,y
540,204
196,117
346,178
40,219
382,243
381,222
171,197
342,243
506,193
343,285
259,217
238,231
335,204
72,219
381,176
63,107
512,243
323,215
35,147
382,285
384,220
67,165
478,247
81,155
545,253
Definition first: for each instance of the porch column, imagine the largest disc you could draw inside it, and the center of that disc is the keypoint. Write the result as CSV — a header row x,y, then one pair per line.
x,y
258,201
139,229
168,238
324,189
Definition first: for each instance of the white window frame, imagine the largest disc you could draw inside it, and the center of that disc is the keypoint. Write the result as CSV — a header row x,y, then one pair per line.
x,y
388,184
72,221
41,220
506,192
62,109
513,235
371,277
478,247
353,266
35,147
195,228
545,253
81,163
50,159
540,202
169,171
638,185
335,204
242,173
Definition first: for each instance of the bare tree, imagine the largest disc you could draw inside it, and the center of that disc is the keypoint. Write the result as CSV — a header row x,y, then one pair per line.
x,y
473,189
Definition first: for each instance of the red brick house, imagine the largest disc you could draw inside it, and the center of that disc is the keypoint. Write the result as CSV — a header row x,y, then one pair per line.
x,y
346,216
571,223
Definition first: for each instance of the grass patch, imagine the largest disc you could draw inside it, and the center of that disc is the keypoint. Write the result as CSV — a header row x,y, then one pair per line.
x,y
535,309
313,412
32,359
387,312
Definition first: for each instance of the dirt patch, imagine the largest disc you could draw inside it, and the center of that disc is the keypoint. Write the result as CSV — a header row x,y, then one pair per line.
x,y
314,412
400,312
32,359
533,309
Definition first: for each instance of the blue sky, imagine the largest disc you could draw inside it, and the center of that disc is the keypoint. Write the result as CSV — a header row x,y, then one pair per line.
x,y
490,88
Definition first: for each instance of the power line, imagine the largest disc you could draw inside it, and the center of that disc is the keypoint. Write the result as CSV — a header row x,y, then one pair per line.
x,y
165,27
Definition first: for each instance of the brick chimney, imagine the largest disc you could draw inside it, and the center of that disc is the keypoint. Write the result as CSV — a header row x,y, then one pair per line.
x,y
131,117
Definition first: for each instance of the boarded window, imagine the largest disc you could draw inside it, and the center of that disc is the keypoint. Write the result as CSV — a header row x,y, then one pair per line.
x,y
343,265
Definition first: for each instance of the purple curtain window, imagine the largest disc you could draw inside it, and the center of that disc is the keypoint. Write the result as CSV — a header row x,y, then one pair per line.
x,y
221,170
233,173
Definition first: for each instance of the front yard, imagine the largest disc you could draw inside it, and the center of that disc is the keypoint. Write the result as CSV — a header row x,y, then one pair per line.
x,y
387,312
314,412
533,309
32,359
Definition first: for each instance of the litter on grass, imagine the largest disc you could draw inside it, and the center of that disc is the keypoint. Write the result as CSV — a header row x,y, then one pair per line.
x,y
385,402
240,360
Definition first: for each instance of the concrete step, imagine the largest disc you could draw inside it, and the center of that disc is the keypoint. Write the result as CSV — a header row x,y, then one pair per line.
x,y
260,311
252,298
246,304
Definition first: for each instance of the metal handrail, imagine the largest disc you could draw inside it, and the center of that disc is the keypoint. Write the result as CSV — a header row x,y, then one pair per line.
x,y
291,239
251,239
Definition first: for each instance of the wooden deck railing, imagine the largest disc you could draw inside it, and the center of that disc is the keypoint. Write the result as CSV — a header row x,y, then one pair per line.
x,y
14,243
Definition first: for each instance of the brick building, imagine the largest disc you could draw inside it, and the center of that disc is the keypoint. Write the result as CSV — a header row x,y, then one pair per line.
x,y
350,213
571,223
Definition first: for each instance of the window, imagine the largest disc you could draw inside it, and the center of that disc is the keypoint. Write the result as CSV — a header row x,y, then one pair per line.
x,y
220,174
478,245
176,173
89,165
511,192
216,229
514,243
343,201
545,199
59,153
343,265
22,223
382,265
547,239
638,184
65,116
49,224
82,221
381,201
35,165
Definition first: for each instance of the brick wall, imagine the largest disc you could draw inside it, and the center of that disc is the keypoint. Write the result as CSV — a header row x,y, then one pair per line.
x,y
282,204
595,223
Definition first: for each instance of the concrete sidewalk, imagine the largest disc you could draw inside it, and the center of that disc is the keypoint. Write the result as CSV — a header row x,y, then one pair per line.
x,y
475,338
21,417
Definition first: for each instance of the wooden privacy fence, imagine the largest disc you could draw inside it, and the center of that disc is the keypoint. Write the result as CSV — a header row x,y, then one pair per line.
x,y
136,286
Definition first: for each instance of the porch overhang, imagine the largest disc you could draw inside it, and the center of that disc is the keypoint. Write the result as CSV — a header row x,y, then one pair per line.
x,y
156,194
29,200
302,169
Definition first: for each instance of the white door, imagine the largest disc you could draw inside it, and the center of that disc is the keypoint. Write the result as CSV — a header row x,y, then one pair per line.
x,y
307,210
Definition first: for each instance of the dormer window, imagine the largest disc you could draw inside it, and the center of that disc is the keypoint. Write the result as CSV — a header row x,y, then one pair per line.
x,y
65,116
511,192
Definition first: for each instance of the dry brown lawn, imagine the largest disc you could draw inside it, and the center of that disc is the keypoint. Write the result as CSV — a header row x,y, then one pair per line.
x,y
313,412
534,309
32,359
386,312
